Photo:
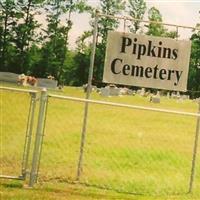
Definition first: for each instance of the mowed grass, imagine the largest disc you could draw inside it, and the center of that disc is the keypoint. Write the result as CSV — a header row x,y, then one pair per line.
x,y
139,154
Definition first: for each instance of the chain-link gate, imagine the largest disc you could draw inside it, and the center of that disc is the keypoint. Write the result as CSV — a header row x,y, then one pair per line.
x,y
16,131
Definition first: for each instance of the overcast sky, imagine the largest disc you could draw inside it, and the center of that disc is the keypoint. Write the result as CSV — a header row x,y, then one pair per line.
x,y
179,12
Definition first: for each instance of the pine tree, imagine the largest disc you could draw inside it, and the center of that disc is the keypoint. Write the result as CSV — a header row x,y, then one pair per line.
x,y
105,24
8,19
194,70
25,31
136,9
57,35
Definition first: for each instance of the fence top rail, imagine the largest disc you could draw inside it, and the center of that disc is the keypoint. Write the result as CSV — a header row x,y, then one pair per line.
x,y
18,90
125,105
146,21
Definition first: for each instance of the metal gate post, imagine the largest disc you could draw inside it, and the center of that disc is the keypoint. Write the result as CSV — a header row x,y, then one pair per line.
x,y
83,134
195,152
29,131
38,138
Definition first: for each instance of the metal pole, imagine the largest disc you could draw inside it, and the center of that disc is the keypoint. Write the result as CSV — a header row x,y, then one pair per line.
x,y
177,33
146,21
44,125
38,138
28,138
17,90
195,152
83,134
176,112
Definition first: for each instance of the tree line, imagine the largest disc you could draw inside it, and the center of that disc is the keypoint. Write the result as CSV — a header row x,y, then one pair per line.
x,y
26,46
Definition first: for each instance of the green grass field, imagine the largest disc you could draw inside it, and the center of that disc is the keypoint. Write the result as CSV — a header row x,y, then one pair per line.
x,y
128,154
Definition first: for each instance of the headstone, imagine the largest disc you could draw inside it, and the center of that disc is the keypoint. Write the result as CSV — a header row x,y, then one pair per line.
x,y
146,94
130,92
105,92
47,83
178,95
168,95
142,92
185,97
174,96
114,91
155,99
158,93
9,77
123,91
138,92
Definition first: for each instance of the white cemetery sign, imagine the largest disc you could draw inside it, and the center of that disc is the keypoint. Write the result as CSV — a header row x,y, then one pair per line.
x,y
147,61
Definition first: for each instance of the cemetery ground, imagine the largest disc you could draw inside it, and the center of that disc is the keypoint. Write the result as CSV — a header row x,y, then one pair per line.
x,y
146,154
12,190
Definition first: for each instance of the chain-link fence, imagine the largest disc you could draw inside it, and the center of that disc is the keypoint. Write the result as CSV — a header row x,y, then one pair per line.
x,y
138,152
17,117
125,150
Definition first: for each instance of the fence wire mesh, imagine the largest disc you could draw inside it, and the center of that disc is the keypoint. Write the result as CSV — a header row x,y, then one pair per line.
x,y
15,110
138,152
61,141
125,150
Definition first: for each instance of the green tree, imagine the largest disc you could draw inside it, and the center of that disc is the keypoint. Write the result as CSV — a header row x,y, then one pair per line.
x,y
158,29
105,24
194,70
25,32
136,9
81,67
18,32
154,28
57,35
8,16
34,61
82,59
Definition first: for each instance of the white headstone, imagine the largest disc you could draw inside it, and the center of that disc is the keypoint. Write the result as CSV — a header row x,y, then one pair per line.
x,y
47,83
168,95
105,92
114,91
142,92
155,99
9,77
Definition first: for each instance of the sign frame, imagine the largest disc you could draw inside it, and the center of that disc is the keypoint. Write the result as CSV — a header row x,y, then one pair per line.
x,y
147,61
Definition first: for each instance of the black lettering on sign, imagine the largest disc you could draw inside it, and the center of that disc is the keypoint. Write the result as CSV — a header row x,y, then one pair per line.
x,y
150,49
118,68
